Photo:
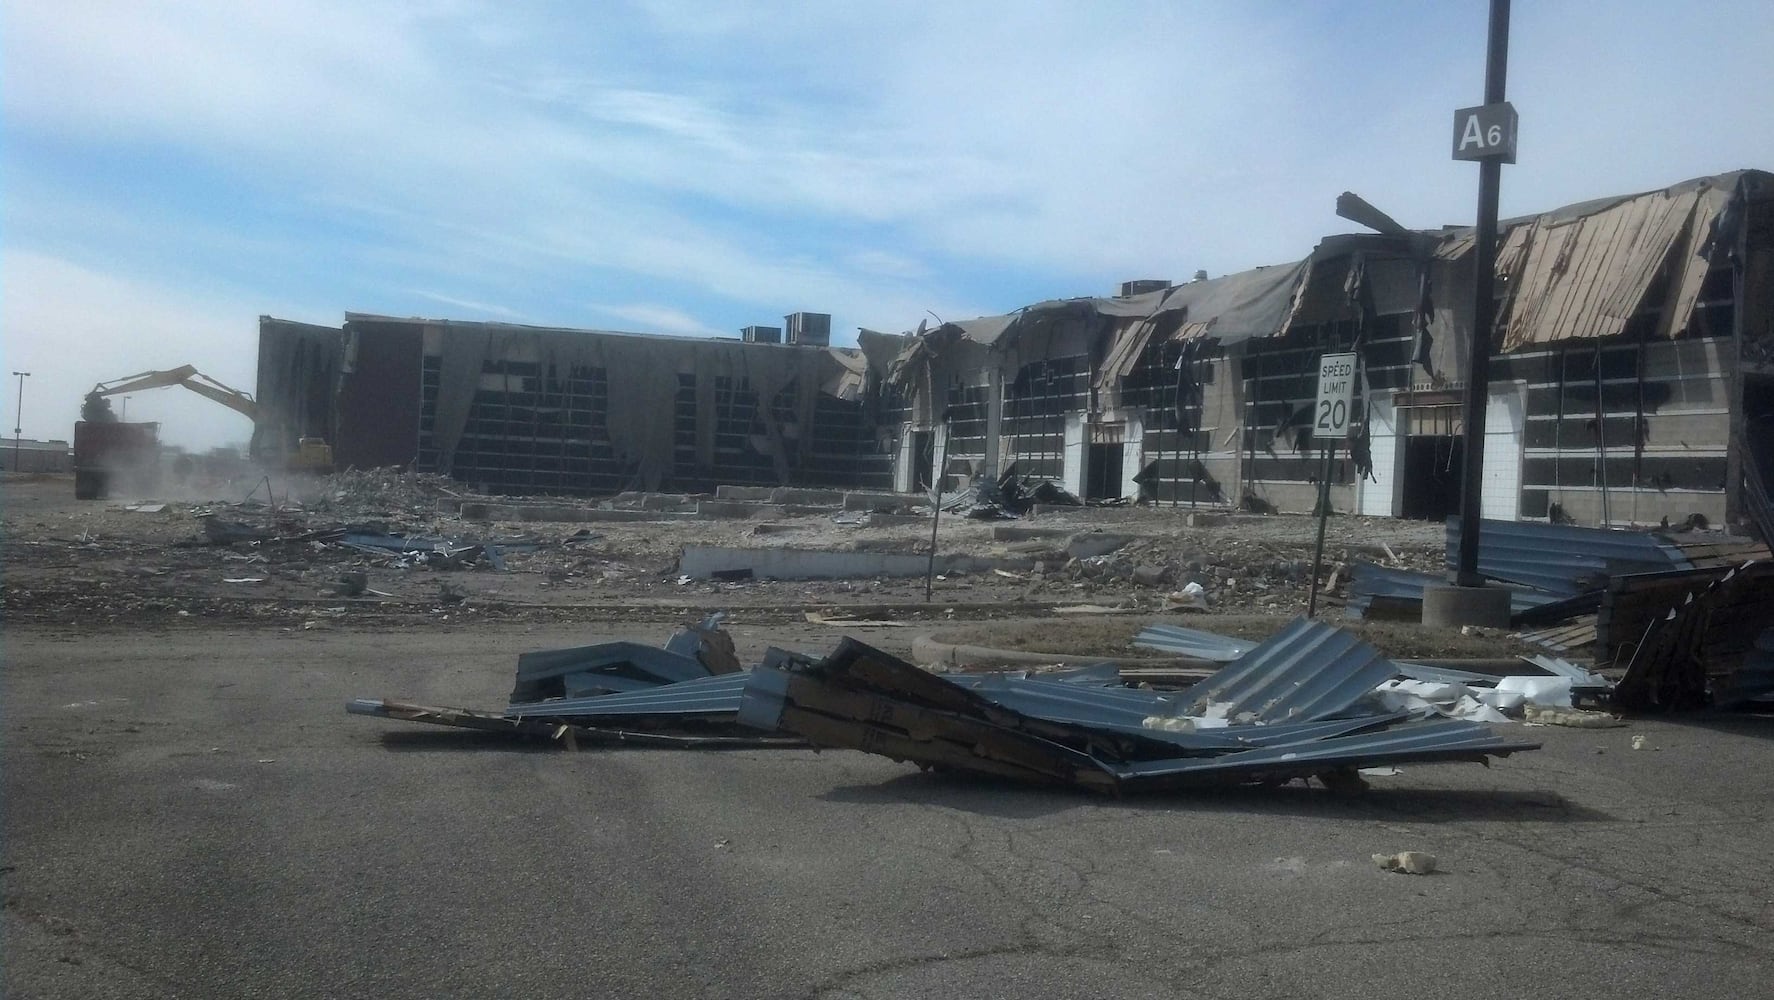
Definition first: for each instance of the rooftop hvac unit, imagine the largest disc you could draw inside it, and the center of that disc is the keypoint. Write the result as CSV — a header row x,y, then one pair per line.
x,y
1141,286
811,329
762,334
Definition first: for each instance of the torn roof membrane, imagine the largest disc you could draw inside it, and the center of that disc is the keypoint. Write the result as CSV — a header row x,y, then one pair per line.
x,y
1578,272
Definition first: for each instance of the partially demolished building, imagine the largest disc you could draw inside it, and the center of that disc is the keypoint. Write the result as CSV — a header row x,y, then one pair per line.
x,y
1632,380
1632,377
521,409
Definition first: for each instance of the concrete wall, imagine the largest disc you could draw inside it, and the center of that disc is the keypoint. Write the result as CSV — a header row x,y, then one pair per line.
x,y
36,456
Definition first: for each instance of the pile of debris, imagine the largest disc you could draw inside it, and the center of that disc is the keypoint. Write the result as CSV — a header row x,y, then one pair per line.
x,y
1679,614
1301,704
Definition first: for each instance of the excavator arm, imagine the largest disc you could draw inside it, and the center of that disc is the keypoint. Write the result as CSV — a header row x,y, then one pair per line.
x,y
190,378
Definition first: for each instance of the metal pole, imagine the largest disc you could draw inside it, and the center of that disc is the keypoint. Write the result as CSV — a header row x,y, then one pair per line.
x,y
935,512
1484,310
18,421
1324,502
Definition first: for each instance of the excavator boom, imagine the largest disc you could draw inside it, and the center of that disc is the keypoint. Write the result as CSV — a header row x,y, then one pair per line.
x,y
189,377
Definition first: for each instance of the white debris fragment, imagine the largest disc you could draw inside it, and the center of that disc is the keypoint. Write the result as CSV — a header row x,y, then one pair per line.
x,y
1408,862
1534,715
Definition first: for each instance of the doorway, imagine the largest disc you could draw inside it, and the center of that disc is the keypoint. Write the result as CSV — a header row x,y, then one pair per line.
x,y
923,460
1433,464
1102,472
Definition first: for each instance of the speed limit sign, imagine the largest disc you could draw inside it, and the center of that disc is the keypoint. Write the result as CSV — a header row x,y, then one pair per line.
x,y
1336,394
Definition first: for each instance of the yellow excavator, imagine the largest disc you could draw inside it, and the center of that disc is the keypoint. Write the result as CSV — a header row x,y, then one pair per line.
x,y
311,454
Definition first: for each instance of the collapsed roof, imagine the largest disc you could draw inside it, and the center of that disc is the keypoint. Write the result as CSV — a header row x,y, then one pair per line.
x,y
1582,271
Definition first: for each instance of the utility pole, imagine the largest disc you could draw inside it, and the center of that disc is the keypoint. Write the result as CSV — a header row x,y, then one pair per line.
x,y
1486,134
18,420
1484,304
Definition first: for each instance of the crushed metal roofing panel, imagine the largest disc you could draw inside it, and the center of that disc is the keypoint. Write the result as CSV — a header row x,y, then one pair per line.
x,y
1368,581
1192,642
462,718
1563,559
1306,671
1754,680
705,696
861,698
538,673
1418,741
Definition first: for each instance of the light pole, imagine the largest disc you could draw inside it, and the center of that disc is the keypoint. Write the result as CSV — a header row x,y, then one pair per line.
x,y
18,420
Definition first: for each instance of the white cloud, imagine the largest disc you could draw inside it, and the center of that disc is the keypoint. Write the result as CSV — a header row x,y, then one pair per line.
x,y
869,162
72,327
650,318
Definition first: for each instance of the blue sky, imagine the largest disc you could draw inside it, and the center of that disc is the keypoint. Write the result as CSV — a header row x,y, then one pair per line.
x,y
170,171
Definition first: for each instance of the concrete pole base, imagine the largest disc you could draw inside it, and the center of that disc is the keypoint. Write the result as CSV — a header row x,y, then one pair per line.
x,y
1452,607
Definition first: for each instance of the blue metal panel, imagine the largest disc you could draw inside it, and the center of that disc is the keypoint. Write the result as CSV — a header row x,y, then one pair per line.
x,y
1754,680
1413,741
763,698
718,695
1368,581
1562,559
1305,672
1192,642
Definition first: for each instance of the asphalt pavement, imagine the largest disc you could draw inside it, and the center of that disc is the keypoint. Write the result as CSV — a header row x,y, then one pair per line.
x,y
191,813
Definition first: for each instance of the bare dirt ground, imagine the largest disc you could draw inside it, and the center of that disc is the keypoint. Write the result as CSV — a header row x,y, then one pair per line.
x,y
103,563
190,812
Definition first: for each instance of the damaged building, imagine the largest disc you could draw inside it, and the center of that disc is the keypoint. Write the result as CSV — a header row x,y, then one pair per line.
x,y
1631,381
522,409
1632,375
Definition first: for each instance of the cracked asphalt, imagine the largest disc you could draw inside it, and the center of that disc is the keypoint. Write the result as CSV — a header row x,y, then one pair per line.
x,y
189,812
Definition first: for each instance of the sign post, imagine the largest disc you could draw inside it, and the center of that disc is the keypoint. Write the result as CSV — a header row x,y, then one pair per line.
x,y
1330,424
1485,134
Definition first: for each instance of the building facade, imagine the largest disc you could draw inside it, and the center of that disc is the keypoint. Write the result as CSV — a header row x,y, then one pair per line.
x,y
1631,380
520,409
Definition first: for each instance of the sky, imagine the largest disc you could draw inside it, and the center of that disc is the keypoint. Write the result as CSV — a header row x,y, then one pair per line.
x,y
171,171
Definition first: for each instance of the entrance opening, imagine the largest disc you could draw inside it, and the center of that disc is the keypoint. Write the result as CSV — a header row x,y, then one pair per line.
x,y
1102,472
923,460
1432,467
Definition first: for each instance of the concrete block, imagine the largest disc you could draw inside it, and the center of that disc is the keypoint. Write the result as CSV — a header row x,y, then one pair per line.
x,y
1095,543
1023,532
702,562
1202,519
733,509
753,493
561,514
882,503
791,494
879,520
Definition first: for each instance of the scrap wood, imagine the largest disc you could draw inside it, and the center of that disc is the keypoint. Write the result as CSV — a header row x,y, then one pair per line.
x,y
568,733
845,621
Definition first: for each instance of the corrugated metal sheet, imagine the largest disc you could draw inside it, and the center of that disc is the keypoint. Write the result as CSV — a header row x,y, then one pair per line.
x,y
1192,642
1306,671
1418,741
1563,559
1368,581
718,695
862,698
539,673
1754,681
